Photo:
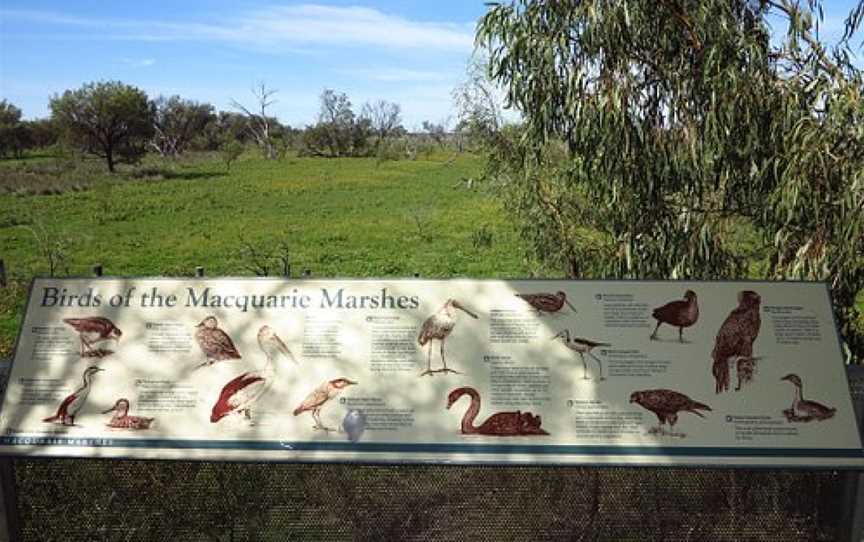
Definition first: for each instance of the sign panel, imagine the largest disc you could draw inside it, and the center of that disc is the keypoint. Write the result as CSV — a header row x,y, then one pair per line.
x,y
560,372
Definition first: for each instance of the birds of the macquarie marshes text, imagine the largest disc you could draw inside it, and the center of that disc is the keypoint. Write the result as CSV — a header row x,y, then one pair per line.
x,y
122,420
240,394
666,404
316,400
501,424
680,314
93,330
437,328
803,410
582,347
734,342
546,303
72,405
215,343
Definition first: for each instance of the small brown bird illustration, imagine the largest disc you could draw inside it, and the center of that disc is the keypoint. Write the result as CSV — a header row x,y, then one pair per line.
x,y
92,330
316,400
666,404
215,343
437,328
734,342
546,303
680,314
73,403
582,347
122,420
501,424
803,410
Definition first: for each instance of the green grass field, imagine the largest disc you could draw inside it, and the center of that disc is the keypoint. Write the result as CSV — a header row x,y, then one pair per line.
x,y
348,217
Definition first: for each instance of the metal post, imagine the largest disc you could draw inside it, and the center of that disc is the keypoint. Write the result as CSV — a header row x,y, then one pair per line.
x,y
97,270
10,528
416,275
854,496
2,273
307,273
199,271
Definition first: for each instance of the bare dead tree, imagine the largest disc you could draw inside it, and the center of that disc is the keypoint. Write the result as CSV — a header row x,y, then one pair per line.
x,y
384,118
259,125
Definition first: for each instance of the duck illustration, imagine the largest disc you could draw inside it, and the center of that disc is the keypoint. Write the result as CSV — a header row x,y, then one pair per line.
x,y
93,330
72,405
501,424
803,410
437,328
122,420
680,314
215,343
546,303
239,394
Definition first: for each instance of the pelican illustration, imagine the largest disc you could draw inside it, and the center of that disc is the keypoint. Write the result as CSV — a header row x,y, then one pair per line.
x,y
438,327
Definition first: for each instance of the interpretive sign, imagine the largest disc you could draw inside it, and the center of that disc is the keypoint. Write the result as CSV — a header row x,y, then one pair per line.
x,y
540,371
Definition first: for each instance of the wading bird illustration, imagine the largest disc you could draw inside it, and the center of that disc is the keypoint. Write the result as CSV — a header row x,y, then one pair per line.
x,y
215,343
438,327
501,424
240,394
582,347
72,405
734,342
93,330
122,420
316,400
354,424
666,404
680,314
546,303
803,410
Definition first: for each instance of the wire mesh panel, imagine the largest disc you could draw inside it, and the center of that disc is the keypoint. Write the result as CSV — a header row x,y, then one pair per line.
x,y
146,500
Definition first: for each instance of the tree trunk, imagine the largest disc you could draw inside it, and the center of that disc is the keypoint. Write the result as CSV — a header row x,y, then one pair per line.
x,y
109,157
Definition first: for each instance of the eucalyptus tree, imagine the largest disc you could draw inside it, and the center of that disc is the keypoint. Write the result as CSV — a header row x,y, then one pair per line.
x,y
675,138
176,122
109,118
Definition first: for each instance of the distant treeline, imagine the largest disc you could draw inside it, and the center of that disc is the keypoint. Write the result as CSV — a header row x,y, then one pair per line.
x,y
120,123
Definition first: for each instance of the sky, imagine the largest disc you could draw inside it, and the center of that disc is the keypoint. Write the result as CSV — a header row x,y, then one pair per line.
x,y
409,52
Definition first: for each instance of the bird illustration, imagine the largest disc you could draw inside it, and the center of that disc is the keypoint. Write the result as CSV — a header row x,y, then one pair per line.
x,y
803,410
734,342
72,405
316,400
438,327
666,404
546,303
239,394
215,343
354,424
501,424
679,313
92,330
122,420
582,347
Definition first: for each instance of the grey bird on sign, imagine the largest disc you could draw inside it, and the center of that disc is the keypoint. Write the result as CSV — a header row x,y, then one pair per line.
x,y
354,424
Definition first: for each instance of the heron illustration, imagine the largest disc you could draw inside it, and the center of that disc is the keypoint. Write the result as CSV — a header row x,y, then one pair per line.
x,y
438,327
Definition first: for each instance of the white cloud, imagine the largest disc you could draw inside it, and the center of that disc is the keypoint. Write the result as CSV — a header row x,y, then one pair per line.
x,y
290,26
139,62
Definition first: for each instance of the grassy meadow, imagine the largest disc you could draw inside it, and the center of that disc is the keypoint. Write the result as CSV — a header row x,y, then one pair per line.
x,y
349,217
